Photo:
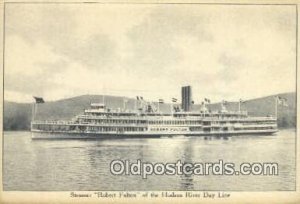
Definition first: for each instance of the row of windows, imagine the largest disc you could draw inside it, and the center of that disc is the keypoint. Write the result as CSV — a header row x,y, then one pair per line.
x,y
90,128
116,129
112,121
235,129
174,122
223,129
256,128
152,122
56,127
242,128
109,114
236,122
195,129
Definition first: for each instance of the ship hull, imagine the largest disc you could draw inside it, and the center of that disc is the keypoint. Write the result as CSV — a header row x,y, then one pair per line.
x,y
99,135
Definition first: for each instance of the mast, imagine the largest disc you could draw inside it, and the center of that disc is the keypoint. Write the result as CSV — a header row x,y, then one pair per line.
x,y
32,115
276,106
103,99
35,105
124,105
240,104
33,111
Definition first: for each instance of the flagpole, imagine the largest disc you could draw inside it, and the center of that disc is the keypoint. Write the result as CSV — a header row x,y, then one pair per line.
x,y
276,106
158,107
32,111
240,106
124,106
35,110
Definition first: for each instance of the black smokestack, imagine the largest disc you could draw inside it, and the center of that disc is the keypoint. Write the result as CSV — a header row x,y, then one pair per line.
x,y
186,98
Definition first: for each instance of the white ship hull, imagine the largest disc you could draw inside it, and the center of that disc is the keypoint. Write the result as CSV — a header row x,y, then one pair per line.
x,y
146,134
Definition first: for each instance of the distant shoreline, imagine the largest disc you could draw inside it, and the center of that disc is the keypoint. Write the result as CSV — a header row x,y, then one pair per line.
x,y
17,116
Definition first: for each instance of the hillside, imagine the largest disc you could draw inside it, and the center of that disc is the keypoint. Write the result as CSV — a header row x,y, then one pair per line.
x,y
17,116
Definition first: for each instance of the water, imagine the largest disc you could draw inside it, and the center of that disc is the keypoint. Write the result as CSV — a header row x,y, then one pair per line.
x,y
67,165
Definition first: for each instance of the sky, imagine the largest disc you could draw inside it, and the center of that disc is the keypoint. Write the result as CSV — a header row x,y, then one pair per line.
x,y
229,52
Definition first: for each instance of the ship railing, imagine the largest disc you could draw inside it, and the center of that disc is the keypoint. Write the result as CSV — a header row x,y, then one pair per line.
x,y
94,110
230,112
88,124
238,119
244,113
113,125
51,122
110,117
259,125
240,125
261,118
136,118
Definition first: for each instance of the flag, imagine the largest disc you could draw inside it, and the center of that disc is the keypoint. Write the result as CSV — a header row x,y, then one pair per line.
x,y
282,101
177,109
279,101
193,102
241,101
206,100
38,99
174,100
141,98
137,98
160,100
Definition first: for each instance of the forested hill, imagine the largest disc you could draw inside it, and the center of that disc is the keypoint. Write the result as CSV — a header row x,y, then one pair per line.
x,y
17,116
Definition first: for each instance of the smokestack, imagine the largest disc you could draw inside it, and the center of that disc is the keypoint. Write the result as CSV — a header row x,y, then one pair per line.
x,y
186,98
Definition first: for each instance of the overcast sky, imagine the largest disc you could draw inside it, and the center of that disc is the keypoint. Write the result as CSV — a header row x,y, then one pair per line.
x,y
224,52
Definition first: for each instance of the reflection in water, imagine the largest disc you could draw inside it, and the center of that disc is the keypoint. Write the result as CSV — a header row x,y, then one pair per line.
x,y
85,164
186,182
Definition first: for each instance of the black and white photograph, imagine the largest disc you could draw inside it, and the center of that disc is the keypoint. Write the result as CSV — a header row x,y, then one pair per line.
x,y
149,100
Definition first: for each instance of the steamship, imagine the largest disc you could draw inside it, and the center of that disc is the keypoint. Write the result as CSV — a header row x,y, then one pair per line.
x,y
98,121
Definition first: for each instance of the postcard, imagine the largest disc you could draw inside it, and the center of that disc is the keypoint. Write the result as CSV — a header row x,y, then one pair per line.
x,y
150,101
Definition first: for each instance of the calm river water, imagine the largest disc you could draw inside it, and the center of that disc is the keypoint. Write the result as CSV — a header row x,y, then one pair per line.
x,y
69,165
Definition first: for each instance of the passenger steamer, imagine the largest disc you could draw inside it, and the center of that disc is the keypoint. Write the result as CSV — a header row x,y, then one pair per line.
x,y
147,121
